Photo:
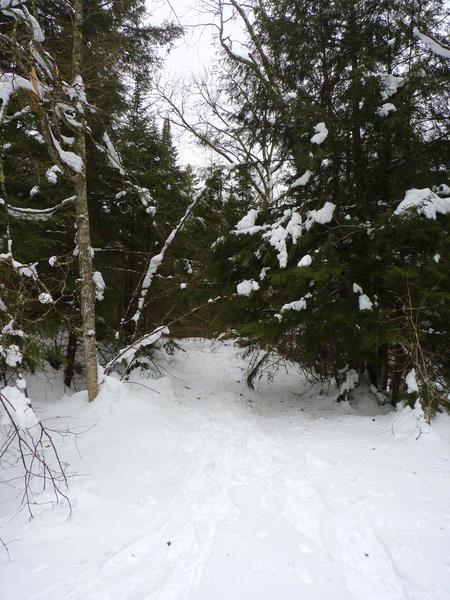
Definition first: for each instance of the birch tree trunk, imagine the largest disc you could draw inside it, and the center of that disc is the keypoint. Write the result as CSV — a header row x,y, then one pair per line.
x,y
82,222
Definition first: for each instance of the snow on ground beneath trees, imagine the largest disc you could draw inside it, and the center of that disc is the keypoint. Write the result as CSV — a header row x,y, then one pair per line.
x,y
193,487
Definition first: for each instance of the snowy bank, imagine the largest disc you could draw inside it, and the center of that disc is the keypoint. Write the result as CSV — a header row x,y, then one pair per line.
x,y
186,482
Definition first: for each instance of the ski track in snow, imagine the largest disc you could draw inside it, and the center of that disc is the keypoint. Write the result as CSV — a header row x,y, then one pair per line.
x,y
210,491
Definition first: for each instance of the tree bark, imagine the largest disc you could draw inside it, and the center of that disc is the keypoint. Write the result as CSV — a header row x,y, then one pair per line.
x,y
70,357
3,195
87,293
398,369
357,153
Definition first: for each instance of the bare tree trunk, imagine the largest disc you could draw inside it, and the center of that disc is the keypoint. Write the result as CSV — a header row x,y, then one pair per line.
x,y
83,229
70,357
5,205
398,370
358,170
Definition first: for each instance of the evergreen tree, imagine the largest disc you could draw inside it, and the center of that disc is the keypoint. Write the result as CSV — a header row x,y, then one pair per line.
x,y
116,39
358,110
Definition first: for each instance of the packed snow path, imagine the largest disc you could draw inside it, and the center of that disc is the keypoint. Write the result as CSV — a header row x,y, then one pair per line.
x,y
200,489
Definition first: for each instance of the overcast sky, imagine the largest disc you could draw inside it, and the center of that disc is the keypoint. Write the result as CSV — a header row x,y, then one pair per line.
x,y
195,49
192,55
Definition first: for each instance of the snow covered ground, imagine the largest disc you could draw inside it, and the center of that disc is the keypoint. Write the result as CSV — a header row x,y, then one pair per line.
x,y
200,489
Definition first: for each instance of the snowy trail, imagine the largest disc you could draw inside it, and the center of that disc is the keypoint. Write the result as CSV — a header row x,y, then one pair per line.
x,y
207,490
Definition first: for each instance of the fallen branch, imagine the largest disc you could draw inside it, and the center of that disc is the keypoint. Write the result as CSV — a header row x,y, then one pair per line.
x,y
155,261
30,439
5,547
129,352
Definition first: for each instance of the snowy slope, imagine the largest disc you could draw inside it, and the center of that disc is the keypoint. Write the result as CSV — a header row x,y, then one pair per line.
x,y
204,490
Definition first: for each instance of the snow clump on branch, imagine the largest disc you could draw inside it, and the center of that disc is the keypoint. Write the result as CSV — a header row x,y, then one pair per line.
x,y
246,287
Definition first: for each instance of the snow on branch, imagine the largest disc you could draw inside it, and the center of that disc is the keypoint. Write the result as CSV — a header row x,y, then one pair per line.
x,y
297,305
434,46
29,443
303,180
386,109
321,133
10,84
390,84
262,66
425,202
364,302
322,216
19,11
247,225
99,285
155,261
25,270
128,353
246,287
68,158
36,214
112,155
115,161
290,225
42,66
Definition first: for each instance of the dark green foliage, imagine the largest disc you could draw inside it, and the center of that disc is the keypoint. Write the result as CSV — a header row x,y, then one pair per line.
x,y
314,62
327,62
119,42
